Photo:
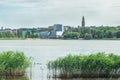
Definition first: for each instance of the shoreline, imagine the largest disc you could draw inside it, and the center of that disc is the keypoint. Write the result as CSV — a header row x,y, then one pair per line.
x,y
54,39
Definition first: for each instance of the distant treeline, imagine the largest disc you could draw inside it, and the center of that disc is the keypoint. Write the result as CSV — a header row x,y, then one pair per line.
x,y
92,33
22,33
104,32
7,34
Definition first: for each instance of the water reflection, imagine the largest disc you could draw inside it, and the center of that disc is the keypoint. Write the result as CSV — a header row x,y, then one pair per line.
x,y
89,79
14,78
26,78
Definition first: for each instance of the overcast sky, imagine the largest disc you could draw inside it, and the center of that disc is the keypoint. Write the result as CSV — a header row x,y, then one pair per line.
x,y
44,13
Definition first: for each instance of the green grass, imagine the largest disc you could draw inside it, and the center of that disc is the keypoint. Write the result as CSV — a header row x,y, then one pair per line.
x,y
107,39
13,63
86,66
16,38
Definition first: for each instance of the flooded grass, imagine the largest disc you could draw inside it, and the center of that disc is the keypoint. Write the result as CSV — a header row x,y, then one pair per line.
x,y
90,79
98,65
14,78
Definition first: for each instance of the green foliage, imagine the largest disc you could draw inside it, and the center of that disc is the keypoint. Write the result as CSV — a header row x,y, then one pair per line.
x,y
13,62
71,35
7,35
118,34
96,32
99,64
100,32
88,36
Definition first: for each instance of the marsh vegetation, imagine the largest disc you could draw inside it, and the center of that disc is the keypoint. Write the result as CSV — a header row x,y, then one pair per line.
x,y
13,63
98,65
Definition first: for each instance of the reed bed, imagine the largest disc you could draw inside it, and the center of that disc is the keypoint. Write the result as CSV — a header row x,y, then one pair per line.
x,y
98,65
13,63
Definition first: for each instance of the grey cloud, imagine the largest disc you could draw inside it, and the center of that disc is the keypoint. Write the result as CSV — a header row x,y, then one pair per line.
x,y
47,12
22,3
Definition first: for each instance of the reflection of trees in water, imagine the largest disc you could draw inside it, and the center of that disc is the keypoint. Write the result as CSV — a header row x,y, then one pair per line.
x,y
87,79
14,78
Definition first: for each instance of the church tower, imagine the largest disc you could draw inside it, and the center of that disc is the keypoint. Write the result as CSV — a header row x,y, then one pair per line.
x,y
83,22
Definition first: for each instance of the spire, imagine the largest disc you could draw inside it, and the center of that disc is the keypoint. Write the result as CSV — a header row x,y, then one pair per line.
x,y
83,22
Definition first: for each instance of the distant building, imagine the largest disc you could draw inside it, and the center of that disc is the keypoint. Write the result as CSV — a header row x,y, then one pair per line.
x,y
58,27
57,31
1,28
83,22
24,32
8,30
118,27
15,31
43,34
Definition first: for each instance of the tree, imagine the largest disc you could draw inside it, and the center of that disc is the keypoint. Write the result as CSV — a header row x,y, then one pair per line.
x,y
118,34
88,36
71,35
109,34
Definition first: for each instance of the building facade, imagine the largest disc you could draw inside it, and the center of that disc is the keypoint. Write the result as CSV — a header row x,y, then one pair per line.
x,y
57,31
24,32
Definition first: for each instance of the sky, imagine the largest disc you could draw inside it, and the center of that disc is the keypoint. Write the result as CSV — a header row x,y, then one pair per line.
x,y
44,13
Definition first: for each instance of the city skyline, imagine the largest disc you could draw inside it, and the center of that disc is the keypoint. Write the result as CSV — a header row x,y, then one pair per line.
x,y
44,13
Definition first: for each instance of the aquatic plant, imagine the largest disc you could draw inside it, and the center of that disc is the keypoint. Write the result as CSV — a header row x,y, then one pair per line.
x,y
13,63
93,65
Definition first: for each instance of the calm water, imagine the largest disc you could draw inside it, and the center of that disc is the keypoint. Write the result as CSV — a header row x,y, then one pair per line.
x,y
43,51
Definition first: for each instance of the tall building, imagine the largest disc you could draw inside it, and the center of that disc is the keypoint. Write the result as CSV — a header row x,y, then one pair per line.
x,y
83,22
57,31
58,27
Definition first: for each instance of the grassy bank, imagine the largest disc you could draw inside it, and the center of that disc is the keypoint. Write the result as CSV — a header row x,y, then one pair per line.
x,y
16,38
13,63
86,66
108,39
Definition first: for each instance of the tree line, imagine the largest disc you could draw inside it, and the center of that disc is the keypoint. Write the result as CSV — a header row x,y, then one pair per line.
x,y
87,33
92,32
8,34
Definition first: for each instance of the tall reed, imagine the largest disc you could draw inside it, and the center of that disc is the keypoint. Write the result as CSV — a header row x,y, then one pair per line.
x,y
13,63
93,65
